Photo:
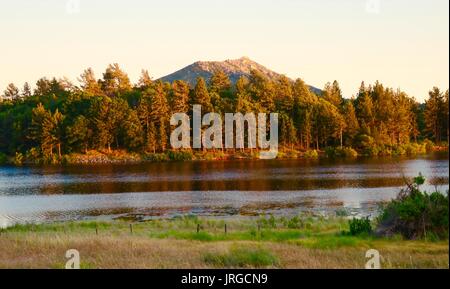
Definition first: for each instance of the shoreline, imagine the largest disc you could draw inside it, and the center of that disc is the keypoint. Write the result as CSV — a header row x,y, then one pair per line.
x,y
121,157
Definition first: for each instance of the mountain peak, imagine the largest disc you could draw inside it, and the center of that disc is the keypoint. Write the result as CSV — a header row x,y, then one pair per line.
x,y
234,68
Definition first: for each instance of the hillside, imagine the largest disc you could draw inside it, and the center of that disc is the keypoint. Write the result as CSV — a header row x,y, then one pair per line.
x,y
234,68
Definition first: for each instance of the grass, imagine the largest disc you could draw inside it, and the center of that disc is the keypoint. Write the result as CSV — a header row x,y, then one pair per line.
x,y
243,257
302,242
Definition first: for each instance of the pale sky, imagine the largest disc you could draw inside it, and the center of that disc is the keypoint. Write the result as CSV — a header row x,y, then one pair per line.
x,y
402,43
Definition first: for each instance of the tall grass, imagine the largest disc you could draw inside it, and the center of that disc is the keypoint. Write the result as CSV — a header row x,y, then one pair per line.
x,y
243,257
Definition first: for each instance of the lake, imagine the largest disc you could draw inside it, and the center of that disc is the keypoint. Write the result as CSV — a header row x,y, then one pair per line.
x,y
241,188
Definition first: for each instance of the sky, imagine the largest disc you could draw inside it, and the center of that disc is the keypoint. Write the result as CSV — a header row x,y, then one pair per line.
x,y
402,43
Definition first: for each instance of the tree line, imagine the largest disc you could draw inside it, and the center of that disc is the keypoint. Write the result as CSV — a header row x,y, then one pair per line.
x,y
58,117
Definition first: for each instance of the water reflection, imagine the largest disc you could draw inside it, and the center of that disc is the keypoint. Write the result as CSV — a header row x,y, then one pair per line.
x,y
208,188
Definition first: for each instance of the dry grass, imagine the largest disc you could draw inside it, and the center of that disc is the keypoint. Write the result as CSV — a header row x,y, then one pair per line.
x,y
47,250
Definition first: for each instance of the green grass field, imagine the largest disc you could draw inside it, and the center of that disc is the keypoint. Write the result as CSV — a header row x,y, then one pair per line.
x,y
190,242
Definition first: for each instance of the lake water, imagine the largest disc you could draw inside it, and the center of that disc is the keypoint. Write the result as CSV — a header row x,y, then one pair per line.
x,y
220,188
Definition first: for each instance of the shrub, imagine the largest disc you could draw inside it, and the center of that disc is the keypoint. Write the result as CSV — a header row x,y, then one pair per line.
x,y
18,159
385,151
161,157
33,155
349,152
429,145
415,149
342,212
371,151
330,152
399,151
270,222
211,155
294,223
311,154
180,155
415,214
341,152
360,226
3,159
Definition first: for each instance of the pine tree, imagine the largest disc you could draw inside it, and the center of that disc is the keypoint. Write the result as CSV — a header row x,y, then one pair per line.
x,y
328,123
143,111
53,132
201,96
26,91
11,92
243,98
151,137
364,111
263,91
285,95
47,130
134,133
117,116
352,125
402,123
445,112
145,81
288,133
220,92
100,111
115,81
333,94
434,114
89,84
39,115
180,96
159,113
43,87
79,134
220,83
304,102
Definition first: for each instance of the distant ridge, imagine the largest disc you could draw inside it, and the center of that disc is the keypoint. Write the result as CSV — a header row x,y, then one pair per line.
x,y
233,68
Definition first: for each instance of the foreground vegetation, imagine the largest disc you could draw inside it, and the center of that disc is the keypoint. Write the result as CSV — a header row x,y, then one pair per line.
x,y
189,242
415,213
62,122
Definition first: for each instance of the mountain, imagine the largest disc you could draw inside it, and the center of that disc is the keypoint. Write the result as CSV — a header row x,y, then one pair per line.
x,y
233,68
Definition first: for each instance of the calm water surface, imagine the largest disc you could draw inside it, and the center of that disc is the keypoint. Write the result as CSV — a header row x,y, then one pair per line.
x,y
224,188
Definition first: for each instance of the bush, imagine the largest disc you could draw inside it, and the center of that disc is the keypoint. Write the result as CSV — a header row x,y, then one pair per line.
x,y
371,151
157,157
208,155
429,145
415,214
18,159
360,226
415,149
366,144
3,159
342,212
311,154
270,222
399,151
34,156
341,152
294,223
330,152
180,155
385,151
